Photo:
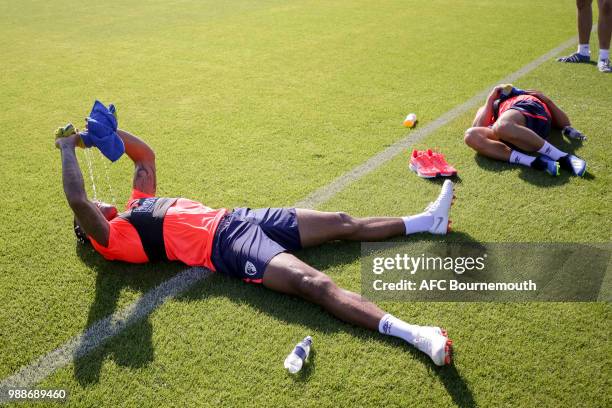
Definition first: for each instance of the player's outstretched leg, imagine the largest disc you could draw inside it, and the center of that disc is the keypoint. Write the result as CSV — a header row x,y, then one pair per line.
x,y
317,227
485,142
287,274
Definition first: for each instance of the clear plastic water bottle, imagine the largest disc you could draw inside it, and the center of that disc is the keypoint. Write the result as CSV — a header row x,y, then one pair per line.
x,y
295,360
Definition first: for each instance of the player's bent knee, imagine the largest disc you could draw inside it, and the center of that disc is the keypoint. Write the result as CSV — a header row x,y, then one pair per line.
x,y
316,288
503,129
472,138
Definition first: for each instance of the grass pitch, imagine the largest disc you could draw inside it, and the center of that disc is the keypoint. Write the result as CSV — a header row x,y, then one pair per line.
x,y
258,104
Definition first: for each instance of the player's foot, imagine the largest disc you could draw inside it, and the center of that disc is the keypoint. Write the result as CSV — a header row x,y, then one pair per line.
x,y
546,164
604,66
572,133
440,163
434,342
574,164
422,165
575,58
440,209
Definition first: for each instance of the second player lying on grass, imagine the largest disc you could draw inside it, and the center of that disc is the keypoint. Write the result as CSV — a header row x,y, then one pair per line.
x,y
513,128
252,245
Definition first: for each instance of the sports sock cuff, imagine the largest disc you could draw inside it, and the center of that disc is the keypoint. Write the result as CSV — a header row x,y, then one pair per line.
x,y
417,223
521,158
384,326
584,49
551,151
604,54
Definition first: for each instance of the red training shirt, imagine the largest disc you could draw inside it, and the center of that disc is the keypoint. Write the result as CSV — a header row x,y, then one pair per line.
x,y
189,229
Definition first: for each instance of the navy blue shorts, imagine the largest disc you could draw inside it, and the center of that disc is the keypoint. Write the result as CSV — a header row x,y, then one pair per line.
x,y
246,240
536,117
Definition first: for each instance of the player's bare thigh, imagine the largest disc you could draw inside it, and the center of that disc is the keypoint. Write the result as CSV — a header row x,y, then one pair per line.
x,y
512,116
286,273
318,227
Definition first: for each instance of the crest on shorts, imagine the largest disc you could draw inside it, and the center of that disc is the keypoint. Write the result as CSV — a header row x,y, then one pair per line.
x,y
250,269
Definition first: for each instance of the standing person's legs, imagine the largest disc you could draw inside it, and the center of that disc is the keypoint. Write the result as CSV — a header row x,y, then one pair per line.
x,y
584,16
604,31
604,24
287,274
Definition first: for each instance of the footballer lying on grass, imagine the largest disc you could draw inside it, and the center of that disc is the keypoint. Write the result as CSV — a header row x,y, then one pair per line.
x,y
252,245
516,122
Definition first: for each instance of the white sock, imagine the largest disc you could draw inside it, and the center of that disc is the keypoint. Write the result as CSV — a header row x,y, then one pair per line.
x,y
584,49
521,158
418,223
604,54
393,326
551,151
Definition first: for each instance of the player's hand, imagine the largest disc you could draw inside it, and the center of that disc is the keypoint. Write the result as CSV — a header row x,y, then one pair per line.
x,y
68,141
495,92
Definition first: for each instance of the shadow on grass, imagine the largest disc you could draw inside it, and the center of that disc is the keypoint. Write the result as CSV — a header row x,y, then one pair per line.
x,y
440,180
111,279
133,348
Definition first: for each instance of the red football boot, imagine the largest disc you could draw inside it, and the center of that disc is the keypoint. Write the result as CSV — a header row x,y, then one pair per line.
x,y
438,160
422,164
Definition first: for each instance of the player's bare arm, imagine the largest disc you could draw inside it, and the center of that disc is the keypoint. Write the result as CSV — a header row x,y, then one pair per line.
x,y
89,216
144,162
559,118
485,113
604,32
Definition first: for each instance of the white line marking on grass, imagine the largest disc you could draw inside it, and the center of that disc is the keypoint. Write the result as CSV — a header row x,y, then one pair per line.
x,y
102,330
112,325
